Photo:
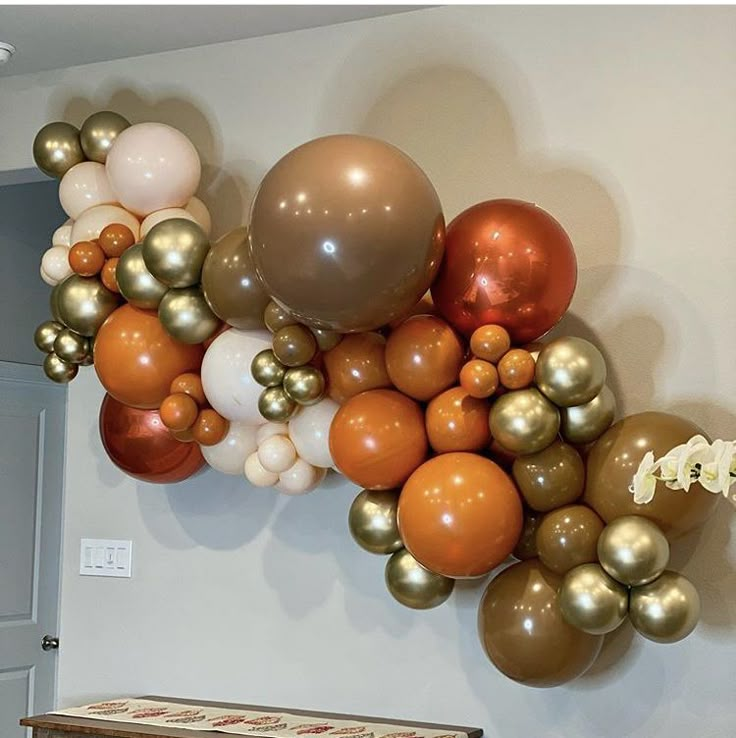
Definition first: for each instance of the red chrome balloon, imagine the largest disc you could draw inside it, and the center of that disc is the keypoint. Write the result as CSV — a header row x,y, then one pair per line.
x,y
506,262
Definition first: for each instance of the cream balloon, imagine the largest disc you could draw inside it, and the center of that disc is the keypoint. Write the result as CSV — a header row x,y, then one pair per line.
x,y
309,430
55,264
45,277
256,474
201,214
277,454
271,429
166,214
83,187
152,166
89,225
229,455
299,478
63,234
226,377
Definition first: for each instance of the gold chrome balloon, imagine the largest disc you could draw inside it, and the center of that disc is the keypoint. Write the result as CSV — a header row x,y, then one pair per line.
x,y
665,610
45,335
372,521
266,369
585,423
304,384
524,421
570,371
326,340
186,316
413,585
54,303
275,317
98,134
85,304
633,550
174,251
294,345
56,149
58,370
136,284
592,600
275,405
71,347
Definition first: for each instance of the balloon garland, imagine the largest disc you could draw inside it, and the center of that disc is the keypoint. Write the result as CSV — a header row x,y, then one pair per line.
x,y
346,329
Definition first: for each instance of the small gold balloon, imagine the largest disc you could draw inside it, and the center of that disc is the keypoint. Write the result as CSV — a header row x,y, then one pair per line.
x,y
593,601
665,610
372,521
56,149
414,586
98,134
174,251
524,421
136,284
45,335
275,317
54,303
85,304
58,370
71,347
326,340
275,405
266,369
585,423
294,345
186,316
633,550
304,384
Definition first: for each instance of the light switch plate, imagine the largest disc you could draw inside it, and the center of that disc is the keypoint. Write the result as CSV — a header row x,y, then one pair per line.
x,y
103,557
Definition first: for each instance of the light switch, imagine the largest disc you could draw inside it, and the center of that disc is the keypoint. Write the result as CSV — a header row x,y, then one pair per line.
x,y
105,558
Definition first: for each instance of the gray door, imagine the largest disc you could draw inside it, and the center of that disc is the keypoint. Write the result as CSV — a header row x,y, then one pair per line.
x,y
32,427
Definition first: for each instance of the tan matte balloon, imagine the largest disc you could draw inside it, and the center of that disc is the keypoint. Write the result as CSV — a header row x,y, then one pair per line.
x,y
526,548
523,631
615,458
230,283
568,537
347,233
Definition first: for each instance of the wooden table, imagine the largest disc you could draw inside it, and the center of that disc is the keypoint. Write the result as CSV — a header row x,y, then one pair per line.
x,y
59,726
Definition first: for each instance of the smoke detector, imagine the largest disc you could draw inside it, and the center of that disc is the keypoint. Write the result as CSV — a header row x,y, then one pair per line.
x,y
6,51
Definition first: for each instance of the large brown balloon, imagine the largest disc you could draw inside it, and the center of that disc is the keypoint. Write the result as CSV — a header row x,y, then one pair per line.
x,y
139,444
616,456
356,364
568,537
523,632
230,283
457,422
346,232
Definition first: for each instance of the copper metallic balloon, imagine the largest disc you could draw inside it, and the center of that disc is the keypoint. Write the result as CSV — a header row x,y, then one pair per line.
x,y
479,378
414,586
56,149
326,340
266,369
139,444
592,601
98,134
186,316
523,631
550,478
54,303
71,347
524,421
85,304
633,550
516,369
230,283
275,405
585,423
372,521
136,284
616,456
490,342
346,233
509,263
304,384
58,370
568,537
665,610
456,421
275,317
356,364
526,547
294,345
174,251
45,335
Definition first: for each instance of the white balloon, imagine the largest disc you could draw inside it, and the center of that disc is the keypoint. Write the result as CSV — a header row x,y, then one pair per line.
x,y
257,475
199,210
277,454
91,222
167,214
152,166
84,186
45,277
229,455
271,429
63,234
226,377
55,263
310,432
300,478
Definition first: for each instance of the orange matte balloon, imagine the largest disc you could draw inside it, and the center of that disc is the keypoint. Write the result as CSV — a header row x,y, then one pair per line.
x,y
490,342
115,238
479,378
210,427
108,275
136,359
190,384
356,364
178,412
86,258
377,439
516,369
460,515
457,422
423,357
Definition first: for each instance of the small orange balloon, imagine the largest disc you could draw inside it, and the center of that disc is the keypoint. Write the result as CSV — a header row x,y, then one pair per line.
x,y
457,422
356,364
190,384
109,275
479,378
516,369
115,238
86,258
178,412
490,342
210,427
460,515
423,357
377,439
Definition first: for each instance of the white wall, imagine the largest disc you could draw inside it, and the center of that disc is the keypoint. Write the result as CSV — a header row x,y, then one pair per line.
x,y
620,122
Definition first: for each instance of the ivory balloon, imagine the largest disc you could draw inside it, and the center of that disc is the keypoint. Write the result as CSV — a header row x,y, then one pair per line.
x,y
309,431
299,478
84,304
55,263
230,454
46,334
62,235
174,251
99,133
201,214
257,475
585,423
56,148
186,316
166,214
524,421
372,521
91,222
45,277
271,429
277,454
136,284
84,186
413,585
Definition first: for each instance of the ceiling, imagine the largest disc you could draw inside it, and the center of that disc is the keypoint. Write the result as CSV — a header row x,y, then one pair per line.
x,y
54,37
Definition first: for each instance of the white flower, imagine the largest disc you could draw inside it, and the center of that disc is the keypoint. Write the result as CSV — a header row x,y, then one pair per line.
x,y
697,451
644,482
715,474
